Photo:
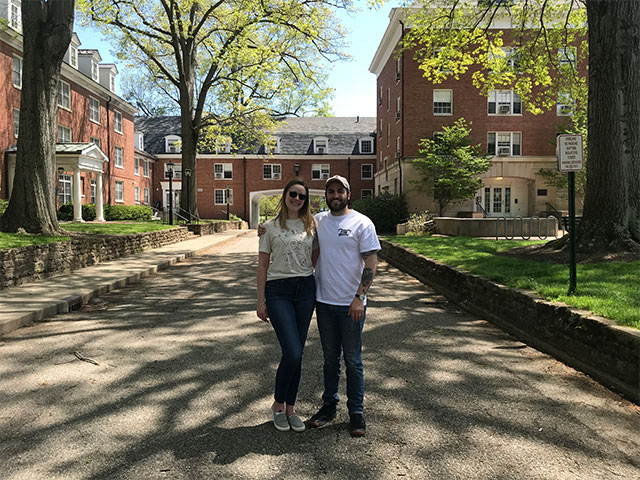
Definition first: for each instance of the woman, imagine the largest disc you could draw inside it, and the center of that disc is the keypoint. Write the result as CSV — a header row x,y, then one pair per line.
x,y
286,293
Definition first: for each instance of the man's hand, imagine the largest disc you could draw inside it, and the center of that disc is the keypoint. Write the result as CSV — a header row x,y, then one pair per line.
x,y
261,230
356,310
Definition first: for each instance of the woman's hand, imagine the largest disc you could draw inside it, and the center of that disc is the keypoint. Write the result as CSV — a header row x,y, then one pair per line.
x,y
262,312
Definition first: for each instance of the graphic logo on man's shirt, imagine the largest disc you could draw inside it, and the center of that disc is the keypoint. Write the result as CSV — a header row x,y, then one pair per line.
x,y
344,232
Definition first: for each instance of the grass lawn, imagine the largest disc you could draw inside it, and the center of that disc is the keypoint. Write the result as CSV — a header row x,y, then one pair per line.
x,y
113,228
609,289
17,240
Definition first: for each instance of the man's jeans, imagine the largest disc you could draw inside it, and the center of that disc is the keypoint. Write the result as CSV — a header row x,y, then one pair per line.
x,y
290,303
339,334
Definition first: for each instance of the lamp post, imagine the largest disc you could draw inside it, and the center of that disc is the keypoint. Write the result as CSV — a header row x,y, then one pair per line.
x,y
187,173
296,169
227,194
170,174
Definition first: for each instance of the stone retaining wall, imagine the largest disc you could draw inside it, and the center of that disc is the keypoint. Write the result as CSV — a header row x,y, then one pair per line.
x,y
26,264
595,345
216,227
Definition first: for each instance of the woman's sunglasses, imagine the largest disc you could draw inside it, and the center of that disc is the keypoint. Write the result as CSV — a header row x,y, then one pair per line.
x,y
294,194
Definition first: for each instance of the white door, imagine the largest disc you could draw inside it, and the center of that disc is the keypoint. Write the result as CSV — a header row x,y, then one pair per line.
x,y
496,201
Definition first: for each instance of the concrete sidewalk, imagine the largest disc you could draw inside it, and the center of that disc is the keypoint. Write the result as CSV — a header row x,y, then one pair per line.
x,y
35,301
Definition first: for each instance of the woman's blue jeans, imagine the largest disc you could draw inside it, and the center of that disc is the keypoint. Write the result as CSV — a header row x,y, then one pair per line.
x,y
290,303
339,334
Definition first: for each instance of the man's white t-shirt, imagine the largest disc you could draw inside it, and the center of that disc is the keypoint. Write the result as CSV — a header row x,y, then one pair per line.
x,y
342,240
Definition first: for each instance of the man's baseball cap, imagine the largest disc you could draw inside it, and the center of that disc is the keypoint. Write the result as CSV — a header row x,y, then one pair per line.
x,y
341,180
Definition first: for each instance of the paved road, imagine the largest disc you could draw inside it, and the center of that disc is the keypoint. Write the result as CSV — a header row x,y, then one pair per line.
x,y
185,377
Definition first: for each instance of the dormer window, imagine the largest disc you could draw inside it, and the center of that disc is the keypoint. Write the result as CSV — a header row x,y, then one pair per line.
x,y
138,140
366,145
172,144
320,145
94,70
15,15
272,146
112,83
223,145
73,56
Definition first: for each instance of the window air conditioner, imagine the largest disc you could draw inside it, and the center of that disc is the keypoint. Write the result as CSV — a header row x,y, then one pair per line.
x,y
504,109
325,176
397,116
565,109
218,176
319,150
172,149
397,76
276,176
504,151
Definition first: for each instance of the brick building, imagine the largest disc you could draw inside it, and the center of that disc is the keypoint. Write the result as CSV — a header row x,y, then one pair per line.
x,y
95,150
409,108
312,147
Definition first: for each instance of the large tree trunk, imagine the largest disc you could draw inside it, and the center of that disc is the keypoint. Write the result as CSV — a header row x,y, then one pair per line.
x,y
190,119
611,219
47,29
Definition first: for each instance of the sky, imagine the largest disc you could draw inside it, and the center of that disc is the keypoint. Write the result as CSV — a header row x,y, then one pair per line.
x,y
354,86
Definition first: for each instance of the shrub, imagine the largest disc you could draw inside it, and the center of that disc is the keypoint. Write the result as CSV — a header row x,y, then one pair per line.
x,y
127,212
385,210
420,224
3,206
65,212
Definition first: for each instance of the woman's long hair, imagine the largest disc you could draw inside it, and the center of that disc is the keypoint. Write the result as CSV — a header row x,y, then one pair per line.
x,y
304,213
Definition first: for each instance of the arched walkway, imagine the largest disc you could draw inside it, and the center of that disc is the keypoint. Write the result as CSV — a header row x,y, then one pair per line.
x,y
254,203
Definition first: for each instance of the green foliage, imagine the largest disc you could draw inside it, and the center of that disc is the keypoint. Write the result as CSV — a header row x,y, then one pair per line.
x,y
449,165
127,212
608,289
269,206
420,224
3,205
65,212
385,210
234,218
116,228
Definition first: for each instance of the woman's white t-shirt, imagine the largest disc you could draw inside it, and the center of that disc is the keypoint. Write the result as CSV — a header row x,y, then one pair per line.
x,y
290,249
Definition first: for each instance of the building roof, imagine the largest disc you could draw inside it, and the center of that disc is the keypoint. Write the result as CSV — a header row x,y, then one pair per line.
x,y
296,134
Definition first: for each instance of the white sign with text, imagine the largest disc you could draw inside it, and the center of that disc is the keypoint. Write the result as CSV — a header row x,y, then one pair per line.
x,y
569,153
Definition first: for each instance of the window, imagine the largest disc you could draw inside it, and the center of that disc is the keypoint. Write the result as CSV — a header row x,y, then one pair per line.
x,y
398,109
64,95
64,134
119,191
320,145
147,198
504,143
380,95
145,168
73,56
398,146
542,192
112,82
117,121
320,172
380,129
177,171
388,133
136,166
366,145
380,160
504,102
442,60
272,146
15,15
437,135
118,157
223,171
271,171
94,110
223,145
366,193
136,194
96,141
564,105
16,122
442,100
94,70
172,144
138,140
220,196
567,56
509,59
366,171
398,68
92,186
64,189
17,72
388,99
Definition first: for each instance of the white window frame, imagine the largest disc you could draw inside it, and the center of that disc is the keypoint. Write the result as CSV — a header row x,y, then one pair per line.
x,y
511,57
62,134
564,105
271,171
118,157
112,82
94,110
362,171
439,106
117,122
73,56
136,166
64,95
398,105
136,194
504,144
398,69
146,196
15,15
172,144
95,72
17,72
92,191
567,55
504,102
364,141
388,98
16,122
223,145
97,142
119,191
272,146
398,146
177,171
380,129
223,193
65,189
320,145
223,171
380,96
139,140
145,168
320,171
366,192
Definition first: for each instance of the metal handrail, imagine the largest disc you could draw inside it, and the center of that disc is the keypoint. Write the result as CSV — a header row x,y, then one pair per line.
x,y
484,212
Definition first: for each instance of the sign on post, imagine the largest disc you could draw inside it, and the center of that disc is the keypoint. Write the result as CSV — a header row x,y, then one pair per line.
x,y
569,153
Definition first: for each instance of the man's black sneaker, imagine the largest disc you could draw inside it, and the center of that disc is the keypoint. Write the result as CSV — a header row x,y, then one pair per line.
x,y
324,416
357,426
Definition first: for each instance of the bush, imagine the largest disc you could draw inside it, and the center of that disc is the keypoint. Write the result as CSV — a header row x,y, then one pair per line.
x,y
127,212
65,212
3,206
420,224
385,210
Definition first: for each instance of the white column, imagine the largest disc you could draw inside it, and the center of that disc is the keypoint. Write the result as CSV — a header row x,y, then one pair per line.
x,y
11,177
99,208
77,202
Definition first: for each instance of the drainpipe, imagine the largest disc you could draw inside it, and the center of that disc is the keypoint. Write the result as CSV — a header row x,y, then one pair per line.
x,y
110,169
401,114
244,186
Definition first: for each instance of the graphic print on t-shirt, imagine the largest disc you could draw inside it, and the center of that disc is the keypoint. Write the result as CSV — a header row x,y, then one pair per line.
x,y
296,251
344,232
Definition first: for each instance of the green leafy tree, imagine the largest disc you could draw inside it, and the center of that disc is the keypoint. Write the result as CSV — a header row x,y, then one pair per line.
x,y
449,165
47,27
547,45
230,65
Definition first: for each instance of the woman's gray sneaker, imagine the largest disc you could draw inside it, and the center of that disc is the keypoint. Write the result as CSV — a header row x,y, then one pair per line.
x,y
297,425
280,420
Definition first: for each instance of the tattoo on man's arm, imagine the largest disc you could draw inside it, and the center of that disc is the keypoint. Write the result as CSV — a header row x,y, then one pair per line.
x,y
367,279
368,254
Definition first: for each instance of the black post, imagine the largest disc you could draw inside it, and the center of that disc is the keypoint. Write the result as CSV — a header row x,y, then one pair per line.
x,y
572,232
187,173
170,172
227,196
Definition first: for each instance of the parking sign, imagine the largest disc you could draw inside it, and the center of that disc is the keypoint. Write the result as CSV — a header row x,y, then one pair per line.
x,y
569,153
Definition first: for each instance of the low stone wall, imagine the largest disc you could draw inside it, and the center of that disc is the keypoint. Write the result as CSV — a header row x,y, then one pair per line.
x,y
595,345
216,227
26,264
488,227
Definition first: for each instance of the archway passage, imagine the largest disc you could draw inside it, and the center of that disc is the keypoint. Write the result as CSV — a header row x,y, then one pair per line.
x,y
254,203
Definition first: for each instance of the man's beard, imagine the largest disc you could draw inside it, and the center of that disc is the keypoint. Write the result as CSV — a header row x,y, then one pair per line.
x,y
341,206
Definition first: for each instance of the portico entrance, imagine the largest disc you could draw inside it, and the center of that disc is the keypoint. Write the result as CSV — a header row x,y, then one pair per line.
x,y
254,203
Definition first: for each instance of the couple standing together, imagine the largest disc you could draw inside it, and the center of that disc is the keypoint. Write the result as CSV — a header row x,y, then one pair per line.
x,y
342,245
